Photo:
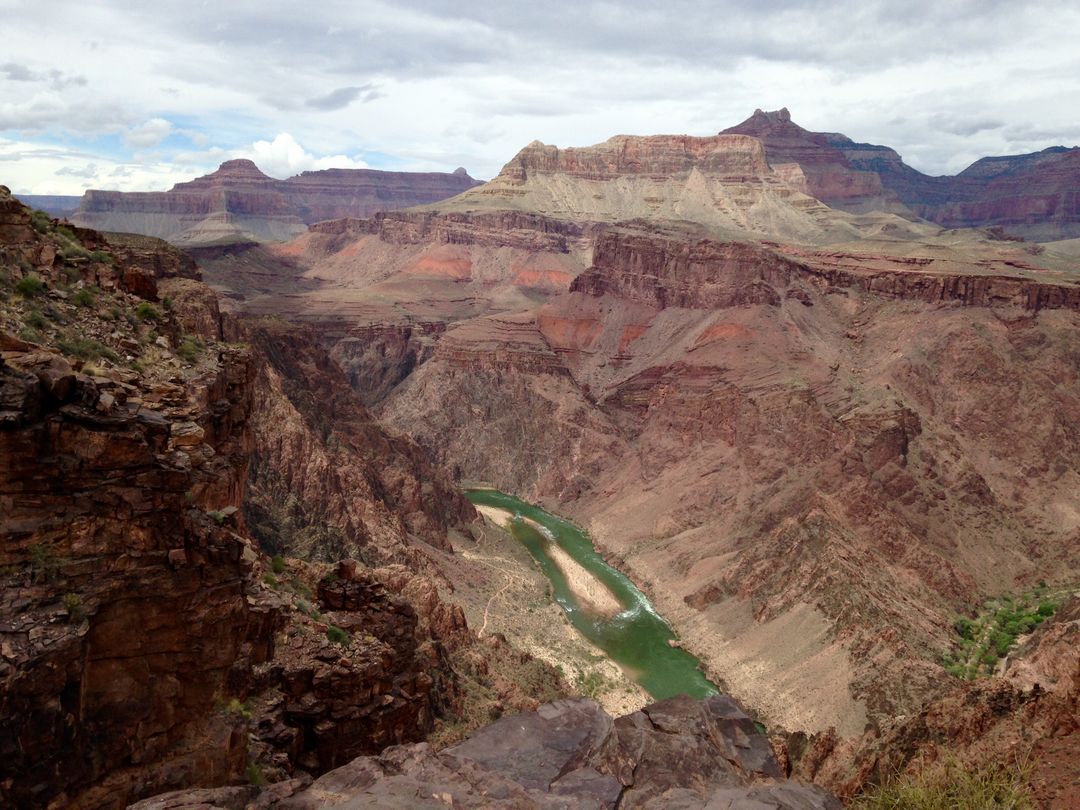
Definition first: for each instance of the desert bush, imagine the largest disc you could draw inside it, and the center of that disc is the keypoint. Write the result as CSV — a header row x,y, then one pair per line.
x,y
36,320
147,312
189,350
84,297
337,635
30,286
949,785
86,349
73,607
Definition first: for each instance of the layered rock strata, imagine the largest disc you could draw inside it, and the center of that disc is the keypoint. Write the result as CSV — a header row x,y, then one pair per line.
x,y
240,203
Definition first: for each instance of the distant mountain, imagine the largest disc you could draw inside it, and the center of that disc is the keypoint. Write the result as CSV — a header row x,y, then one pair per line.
x,y
239,203
56,204
1035,195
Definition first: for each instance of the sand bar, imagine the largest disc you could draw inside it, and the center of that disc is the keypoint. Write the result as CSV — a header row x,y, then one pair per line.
x,y
591,594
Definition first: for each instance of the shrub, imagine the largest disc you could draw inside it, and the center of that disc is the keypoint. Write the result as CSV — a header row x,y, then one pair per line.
x,y
86,349
337,635
84,297
73,607
36,319
1047,609
147,312
948,785
217,517
30,286
964,627
31,335
43,564
189,350
167,303
277,564
40,221
237,708
255,774
101,256
270,579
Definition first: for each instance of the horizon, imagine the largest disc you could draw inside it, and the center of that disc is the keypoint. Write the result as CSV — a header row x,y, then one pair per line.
x,y
428,86
448,171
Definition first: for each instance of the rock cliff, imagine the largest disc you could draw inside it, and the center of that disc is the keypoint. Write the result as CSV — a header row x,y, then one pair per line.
x,y
239,203
676,754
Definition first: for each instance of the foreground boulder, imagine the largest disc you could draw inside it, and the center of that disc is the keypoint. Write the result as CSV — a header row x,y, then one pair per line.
x,y
679,753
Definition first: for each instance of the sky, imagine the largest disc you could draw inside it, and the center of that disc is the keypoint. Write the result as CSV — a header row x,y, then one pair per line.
x,y
131,95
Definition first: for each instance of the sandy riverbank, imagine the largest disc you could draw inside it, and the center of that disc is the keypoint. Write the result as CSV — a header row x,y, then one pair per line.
x,y
514,600
591,594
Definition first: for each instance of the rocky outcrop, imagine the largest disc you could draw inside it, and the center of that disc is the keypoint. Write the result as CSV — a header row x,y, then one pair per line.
x,y
240,203
676,754
353,677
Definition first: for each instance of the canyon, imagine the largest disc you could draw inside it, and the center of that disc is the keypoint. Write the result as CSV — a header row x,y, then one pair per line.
x,y
817,406
779,417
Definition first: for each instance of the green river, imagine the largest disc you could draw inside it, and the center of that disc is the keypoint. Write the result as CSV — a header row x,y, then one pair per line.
x,y
637,637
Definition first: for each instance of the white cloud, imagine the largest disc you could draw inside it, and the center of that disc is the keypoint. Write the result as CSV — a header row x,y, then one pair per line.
x,y
148,134
31,168
284,157
448,84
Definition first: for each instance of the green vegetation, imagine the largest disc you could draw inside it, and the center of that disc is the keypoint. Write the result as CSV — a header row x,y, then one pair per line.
x,y
189,349
217,516
73,607
948,785
593,684
236,708
31,335
43,563
35,319
255,774
40,221
147,312
271,580
277,564
337,635
988,638
86,349
85,297
167,303
70,246
101,256
30,286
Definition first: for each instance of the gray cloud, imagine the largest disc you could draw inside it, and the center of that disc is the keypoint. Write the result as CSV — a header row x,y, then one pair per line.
x,y
343,97
56,79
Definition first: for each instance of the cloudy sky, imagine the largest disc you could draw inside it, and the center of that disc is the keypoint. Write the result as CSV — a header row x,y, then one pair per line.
x,y
134,95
